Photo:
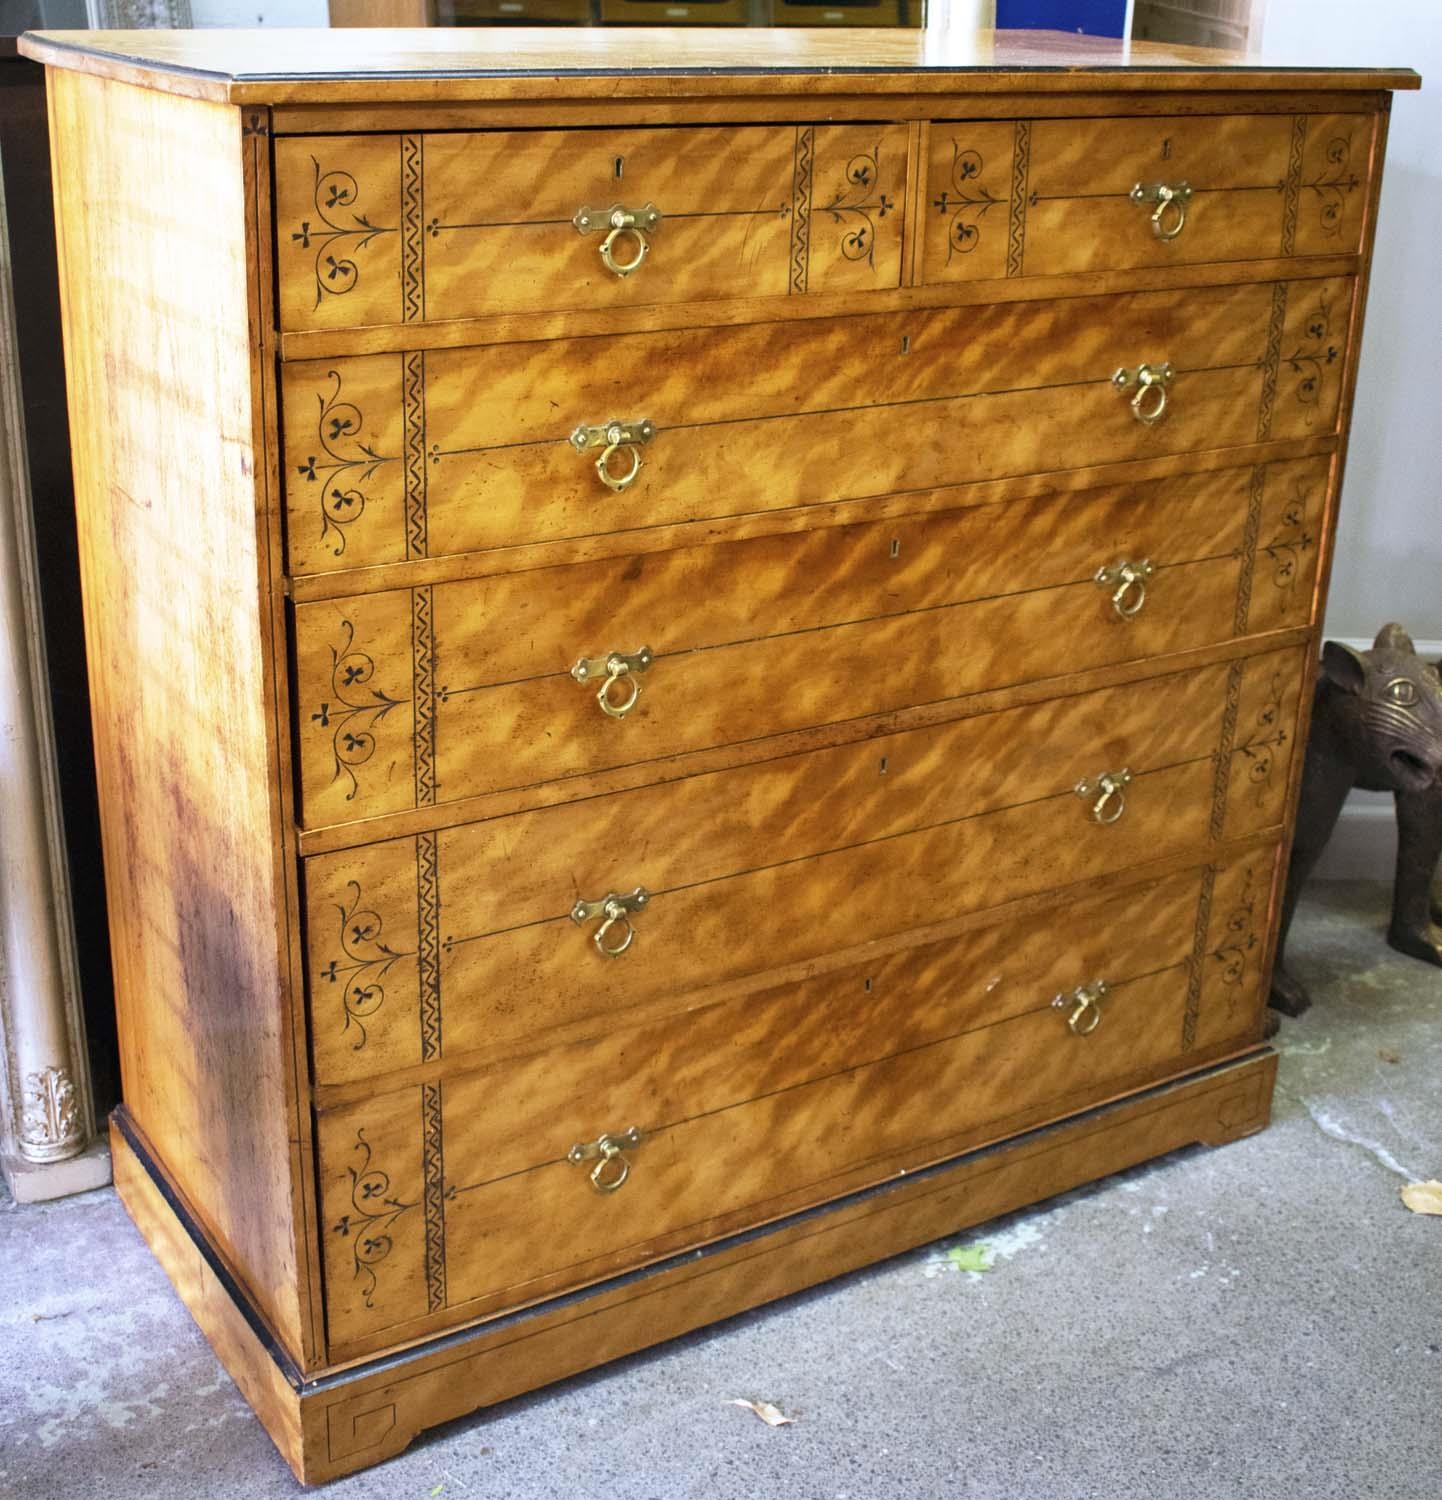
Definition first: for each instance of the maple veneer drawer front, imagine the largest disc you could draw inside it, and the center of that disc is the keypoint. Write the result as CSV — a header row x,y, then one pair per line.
x,y
423,696
764,1104
469,939
398,456
1049,197
406,228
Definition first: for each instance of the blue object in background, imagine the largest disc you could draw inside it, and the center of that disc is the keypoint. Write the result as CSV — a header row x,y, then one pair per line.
x,y
1095,17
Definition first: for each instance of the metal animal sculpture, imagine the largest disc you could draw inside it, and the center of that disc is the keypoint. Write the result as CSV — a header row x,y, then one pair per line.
x,y
1376,724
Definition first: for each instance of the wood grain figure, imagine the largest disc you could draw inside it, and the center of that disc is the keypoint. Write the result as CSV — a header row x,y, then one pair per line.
x,y
699,646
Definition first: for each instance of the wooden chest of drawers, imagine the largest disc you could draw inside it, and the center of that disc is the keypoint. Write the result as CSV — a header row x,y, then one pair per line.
x,y
699,645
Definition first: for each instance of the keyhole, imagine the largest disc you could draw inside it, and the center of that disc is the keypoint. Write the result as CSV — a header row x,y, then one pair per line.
x,y
881,769
1166,150
906,343
867,986
896,546
620,165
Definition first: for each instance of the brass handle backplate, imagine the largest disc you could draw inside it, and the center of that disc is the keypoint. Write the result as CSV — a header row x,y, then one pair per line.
x,y
615,911
621,224
618,666
1169,217
1107,795
1128,583
1150,384
611,1169
1085,1003
612,438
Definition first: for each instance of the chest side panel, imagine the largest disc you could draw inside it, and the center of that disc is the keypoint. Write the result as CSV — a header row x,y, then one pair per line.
x,y
162,393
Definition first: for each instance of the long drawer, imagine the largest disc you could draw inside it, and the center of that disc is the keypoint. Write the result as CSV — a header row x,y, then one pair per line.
x,y
750,1109
1051,197
393,457
469,939
404,228
424,696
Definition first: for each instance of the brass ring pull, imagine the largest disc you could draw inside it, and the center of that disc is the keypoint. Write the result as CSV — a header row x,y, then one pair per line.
x,y
608,249
620,222
1085,1001
615,911
1147,411
618,666
611,1169
618,708
1107,794
1150,382
611,480
615,915
1169,217
613,438
1128,582
600,1181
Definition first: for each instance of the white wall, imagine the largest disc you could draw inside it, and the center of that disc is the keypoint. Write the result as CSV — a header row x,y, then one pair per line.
x,y
1389,545
259,13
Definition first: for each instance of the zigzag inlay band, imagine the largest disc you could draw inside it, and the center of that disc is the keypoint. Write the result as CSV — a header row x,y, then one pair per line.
x,y
1020,172
1272,361
412,238
433,1171
1249,550
1294,184
1198,959
1222,780
428,943
423,677
413,402
801,209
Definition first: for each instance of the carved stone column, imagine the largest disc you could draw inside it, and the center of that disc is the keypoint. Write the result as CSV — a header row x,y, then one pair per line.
x,y
128,15
47,1124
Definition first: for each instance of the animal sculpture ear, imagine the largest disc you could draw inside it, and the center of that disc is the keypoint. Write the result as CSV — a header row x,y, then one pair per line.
x,y
1344,667
1393,638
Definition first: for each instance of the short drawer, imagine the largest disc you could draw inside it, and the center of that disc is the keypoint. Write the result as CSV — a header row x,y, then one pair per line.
x,y
423,696
432,453
417,228
1054,197
748,1110
468,940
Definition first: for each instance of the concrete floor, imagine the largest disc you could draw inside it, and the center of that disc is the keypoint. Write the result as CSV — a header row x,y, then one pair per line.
x,y
1261,1320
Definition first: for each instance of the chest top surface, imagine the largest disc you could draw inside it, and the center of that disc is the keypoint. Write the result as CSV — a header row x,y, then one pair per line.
x,y
457,65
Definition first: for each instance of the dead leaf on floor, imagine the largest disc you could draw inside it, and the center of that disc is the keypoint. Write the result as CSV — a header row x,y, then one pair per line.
x,y
1423,1197
971,1257
773,1416
1388,1056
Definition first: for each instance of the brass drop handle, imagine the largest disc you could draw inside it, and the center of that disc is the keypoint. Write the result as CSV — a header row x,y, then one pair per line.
x,y
621,224
619,666
1107,795
611,438
615,911
1169,217
1085,1001
1150,383
1128,583
611,1169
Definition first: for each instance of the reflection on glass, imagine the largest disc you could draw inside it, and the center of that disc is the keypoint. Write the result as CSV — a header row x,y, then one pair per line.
x,y
681,12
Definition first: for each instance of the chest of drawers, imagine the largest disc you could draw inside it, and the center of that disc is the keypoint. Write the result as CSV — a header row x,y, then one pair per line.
x,y
698,647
